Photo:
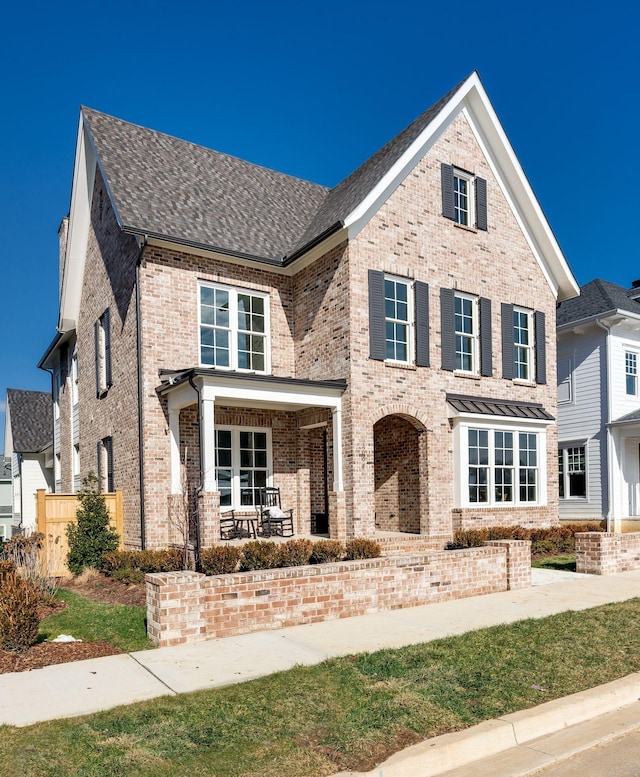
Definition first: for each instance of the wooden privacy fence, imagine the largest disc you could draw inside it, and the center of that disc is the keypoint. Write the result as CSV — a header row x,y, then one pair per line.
x,y
54,513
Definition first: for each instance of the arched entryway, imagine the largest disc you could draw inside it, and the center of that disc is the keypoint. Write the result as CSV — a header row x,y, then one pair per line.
x,y
397,473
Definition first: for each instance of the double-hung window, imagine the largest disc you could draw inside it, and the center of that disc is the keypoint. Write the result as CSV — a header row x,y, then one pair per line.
x,y
102,337
398,312
524,352
631,372
233,328
522,344
466,332
502,467
464,197
105,464
243,464
572,473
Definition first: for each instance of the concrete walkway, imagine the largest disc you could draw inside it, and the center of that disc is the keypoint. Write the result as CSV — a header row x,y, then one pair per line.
x,y
83,687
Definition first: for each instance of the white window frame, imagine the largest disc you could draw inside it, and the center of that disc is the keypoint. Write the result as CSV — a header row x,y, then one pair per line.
x,y
473,337
466,217
57,471
564,474
631,372
74,378
106,464
462,425
75,466
409,322
528,349
57,388
236,501
568,381
233,330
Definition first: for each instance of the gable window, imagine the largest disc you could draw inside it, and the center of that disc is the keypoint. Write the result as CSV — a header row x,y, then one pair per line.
x,y
243,460
233,328
631,372
398,319
105,464
464,197
102,338
572,473
524,350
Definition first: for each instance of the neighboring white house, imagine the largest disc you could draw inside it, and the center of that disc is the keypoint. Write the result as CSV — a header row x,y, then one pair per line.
x,y
599,405
5,498
28,442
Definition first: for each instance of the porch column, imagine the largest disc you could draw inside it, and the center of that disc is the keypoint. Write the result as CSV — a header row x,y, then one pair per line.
x,y
337,449
174,442
208,445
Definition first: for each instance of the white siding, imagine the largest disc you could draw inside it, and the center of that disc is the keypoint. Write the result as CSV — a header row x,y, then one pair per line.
x,y
581,421
34,476
622,340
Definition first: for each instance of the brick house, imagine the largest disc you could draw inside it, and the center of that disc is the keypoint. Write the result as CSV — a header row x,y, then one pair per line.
x,y
382,351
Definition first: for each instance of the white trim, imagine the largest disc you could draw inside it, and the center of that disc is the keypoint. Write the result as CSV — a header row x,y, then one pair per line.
x,y
563,447
410,320
236,465
470,179
529,348
474,337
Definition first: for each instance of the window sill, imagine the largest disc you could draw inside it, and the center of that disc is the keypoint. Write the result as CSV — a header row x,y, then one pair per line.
x,y
500,505
467,375
519,382
400,365
465,228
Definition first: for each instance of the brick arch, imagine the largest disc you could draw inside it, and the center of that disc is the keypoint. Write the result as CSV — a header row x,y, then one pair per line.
x,y
411,414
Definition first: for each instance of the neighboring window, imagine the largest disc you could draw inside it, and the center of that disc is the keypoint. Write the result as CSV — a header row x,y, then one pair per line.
x,y
75,463
102,336
565,379
464,197
631,372
233,329
522,344
3,532
74,378
572,473
57,472
105,464
243,457
56,394
502,467
466,332
398,311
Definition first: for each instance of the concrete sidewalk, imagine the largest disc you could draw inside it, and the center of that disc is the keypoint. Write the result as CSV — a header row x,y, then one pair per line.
x,y
83,687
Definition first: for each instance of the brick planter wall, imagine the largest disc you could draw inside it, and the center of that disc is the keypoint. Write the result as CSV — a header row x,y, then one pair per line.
x,y
187,606
606,553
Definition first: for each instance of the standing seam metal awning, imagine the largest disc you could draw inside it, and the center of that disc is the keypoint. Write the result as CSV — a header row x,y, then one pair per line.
x,y
504,408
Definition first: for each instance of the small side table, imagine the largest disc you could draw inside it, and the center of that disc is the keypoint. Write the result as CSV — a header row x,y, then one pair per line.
x,y
248,524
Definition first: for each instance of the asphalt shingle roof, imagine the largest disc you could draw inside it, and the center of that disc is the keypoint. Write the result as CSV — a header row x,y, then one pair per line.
x,y
164,186
634,415
596,297
31,415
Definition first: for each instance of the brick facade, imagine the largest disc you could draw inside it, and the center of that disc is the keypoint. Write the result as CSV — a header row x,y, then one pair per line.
x,y
188,607
606,553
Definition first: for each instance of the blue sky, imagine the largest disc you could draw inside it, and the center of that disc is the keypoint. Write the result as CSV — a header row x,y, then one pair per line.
x,y
311,89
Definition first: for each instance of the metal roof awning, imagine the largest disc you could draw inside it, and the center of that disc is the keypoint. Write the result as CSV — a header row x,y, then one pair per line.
x,y
463,404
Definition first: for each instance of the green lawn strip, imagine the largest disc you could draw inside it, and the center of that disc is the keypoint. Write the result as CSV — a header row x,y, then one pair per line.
x,y
565,563
346,713
92,621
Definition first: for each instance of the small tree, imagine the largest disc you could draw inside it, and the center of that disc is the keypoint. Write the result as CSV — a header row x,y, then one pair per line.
x,y
91,537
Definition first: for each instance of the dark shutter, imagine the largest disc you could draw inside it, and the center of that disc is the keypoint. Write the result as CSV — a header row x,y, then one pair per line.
x,y
486,356
100,449
106,325
447,191
481,203
422,324
541,347
447,327
507,341
108,446
96,339
377,334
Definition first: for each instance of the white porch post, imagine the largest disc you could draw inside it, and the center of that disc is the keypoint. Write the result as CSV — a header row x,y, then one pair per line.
x,y
174,441
337,449
208,444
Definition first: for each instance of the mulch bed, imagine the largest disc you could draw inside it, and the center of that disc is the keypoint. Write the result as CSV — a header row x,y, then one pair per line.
x,y
95,586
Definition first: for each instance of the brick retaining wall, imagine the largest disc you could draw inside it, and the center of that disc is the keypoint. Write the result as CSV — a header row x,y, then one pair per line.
x,y
188,607
606,553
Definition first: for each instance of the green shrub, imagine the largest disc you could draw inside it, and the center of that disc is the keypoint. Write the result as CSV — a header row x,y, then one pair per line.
x,y
327,552
19,618
91,537
130,576
259,555
219,560
550,541
361,548
167,560
295,553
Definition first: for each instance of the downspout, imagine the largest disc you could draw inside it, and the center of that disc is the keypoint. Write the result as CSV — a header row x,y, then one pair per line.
x,y
143,538
200,487
610,446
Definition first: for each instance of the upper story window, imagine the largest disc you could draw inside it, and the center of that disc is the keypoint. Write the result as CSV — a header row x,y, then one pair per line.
x,y
398,310
464,197
572,480
233,328
524,350
102,337
398,319
466,332
57,384
565,379
74,378
631,372
522,344
105,465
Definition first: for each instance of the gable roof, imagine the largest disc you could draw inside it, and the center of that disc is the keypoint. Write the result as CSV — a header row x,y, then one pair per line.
x,y
597,298
31,418
168,189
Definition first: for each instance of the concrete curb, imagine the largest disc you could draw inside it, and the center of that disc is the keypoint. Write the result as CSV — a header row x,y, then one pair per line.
x,y
452,751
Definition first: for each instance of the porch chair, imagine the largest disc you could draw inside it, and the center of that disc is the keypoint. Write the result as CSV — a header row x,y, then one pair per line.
x,y
273,519
228,525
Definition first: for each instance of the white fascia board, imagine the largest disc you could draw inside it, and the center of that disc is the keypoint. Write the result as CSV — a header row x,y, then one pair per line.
x,y
473,100
266,393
